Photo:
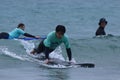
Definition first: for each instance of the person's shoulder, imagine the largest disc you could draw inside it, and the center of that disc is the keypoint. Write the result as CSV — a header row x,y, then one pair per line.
x,y
51,33
20,30
17,29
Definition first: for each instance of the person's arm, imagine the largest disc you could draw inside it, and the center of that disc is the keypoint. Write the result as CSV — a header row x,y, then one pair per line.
x,y
47,43
69,54
48,49
20,31
68,49
29,35
97,32
47,52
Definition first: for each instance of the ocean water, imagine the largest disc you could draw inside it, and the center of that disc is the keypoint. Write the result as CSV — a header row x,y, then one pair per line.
x,y
81,20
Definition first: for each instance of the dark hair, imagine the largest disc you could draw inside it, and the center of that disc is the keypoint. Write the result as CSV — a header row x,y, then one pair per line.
x,y
21,24
60,28
102,20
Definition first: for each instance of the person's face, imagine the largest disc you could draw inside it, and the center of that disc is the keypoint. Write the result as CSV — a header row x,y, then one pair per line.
x,y
103,24
22,27
59,34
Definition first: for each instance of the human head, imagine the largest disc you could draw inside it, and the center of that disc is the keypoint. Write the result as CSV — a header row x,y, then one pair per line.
x,y
60,30
102,22
21,26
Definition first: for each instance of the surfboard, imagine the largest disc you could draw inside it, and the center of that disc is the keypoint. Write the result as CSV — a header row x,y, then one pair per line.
x,y
60,64
66,64
40,60
26,38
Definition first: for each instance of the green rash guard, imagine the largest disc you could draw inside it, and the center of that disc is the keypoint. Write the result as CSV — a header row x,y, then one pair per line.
x,y
52,41
16,33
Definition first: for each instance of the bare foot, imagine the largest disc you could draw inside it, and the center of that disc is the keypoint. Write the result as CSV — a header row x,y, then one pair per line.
x,y
46,61
32,52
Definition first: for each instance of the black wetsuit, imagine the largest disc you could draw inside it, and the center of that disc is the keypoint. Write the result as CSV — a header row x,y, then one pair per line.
x,y
41,48
100,31
4,35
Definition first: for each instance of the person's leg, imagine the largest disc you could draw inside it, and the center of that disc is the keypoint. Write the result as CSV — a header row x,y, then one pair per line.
x,y
39,49
47,52
4,35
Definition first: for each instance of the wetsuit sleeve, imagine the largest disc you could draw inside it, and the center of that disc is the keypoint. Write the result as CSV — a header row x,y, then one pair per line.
x,y
28,35
47,43
69,54
68,49
47,52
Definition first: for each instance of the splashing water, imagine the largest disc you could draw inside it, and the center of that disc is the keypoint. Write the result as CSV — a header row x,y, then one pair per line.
x,y
28,45
11,54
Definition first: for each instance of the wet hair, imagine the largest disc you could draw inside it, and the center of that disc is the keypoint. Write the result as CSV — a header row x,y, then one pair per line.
x,y
60,28
102,20
21,24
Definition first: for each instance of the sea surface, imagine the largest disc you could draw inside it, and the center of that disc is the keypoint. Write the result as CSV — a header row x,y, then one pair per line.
x,y
81,19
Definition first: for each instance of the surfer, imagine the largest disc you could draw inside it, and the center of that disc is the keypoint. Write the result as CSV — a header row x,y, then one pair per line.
x,y
102,24
16,33
53,40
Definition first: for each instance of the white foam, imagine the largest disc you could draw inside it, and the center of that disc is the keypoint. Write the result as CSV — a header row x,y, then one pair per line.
x,y
29,46
5,51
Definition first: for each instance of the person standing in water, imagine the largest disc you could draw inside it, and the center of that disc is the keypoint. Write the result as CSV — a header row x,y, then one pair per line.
x,y
53,40
102,24
16,33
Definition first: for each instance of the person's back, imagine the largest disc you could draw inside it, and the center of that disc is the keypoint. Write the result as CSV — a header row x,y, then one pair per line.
x,y
16,33
102,24
54,41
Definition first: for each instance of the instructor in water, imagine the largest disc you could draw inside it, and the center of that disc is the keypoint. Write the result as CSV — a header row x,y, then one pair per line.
x,y
102,23
16,33
53,40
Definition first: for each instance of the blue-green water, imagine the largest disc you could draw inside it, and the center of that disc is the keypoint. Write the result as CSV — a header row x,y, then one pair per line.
x,y
81,20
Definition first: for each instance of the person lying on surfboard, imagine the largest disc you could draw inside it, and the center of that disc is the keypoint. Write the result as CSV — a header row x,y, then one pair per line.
x,y
53,40
16,33
102,24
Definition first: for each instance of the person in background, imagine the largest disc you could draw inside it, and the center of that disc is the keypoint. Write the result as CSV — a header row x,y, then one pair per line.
x,y
16,33
102,24
53,40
